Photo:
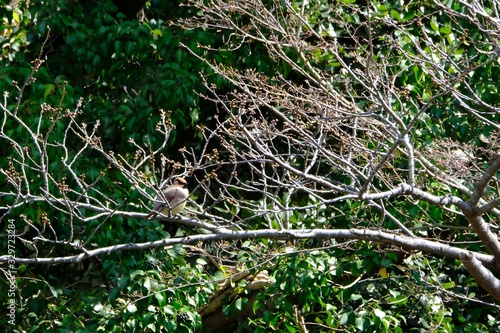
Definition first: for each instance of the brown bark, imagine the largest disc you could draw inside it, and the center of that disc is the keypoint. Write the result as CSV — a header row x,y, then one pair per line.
x,y
212,315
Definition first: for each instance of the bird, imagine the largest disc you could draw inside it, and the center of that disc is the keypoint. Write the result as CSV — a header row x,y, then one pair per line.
x,y
171,201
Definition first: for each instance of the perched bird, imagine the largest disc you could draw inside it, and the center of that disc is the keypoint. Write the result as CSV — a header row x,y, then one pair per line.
x,y
172,199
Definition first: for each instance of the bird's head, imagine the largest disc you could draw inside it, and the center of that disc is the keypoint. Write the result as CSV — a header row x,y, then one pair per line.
x,y
179,181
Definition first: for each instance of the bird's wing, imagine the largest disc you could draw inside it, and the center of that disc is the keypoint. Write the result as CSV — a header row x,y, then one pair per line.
x,y
166,197
161,200
169,194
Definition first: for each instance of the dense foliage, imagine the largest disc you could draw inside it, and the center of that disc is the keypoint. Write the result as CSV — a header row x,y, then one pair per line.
x,y
99,108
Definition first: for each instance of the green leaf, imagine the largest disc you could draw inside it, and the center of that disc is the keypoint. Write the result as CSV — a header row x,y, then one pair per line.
x,y
434,25
399,300
113,294
386,262
55,292
448,285
160,297
344,318
445,30
241,303
49,89
227,309
131,308
194,114
360,323
98,307
396,15
169,309
290,328
379,313
256,305
135,273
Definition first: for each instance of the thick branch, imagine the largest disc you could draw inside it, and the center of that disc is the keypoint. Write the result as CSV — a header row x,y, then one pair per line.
x,y
483,276
483,182
489,239
488,207
226,234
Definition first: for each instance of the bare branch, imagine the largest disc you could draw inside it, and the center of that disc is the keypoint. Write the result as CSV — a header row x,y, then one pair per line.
x,y
483,276
483,182
226,234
